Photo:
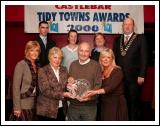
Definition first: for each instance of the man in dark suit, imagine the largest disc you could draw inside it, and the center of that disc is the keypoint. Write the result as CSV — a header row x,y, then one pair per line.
x,y
44,42
131,54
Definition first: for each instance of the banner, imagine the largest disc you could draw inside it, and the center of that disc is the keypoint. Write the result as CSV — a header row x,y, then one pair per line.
x,y
83,18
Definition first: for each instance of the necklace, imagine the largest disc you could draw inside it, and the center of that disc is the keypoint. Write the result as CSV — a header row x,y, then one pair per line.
x,y
124,50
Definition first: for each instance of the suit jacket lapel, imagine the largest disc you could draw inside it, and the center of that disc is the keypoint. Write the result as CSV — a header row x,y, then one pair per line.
x,y
40,41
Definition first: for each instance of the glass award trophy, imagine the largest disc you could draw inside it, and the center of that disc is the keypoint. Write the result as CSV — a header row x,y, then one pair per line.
x,y
79,88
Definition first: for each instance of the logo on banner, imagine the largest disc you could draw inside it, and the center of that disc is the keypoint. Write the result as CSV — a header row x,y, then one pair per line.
x,y
53,27
108,27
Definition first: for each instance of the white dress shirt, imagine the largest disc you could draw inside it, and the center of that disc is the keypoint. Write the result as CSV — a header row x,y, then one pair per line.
x,y
85,62
44,39
56,72
129,36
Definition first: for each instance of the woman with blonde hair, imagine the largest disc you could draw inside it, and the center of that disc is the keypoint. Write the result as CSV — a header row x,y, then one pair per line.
x,y
25,82
52,80
112,100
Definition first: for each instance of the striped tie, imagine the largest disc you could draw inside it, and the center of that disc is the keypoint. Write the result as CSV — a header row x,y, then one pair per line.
x,y
126,40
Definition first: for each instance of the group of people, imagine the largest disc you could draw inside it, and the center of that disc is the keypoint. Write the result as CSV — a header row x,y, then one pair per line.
x,y
114,78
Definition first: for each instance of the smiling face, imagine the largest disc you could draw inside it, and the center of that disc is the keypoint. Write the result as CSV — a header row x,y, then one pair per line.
x,y
128,26
32,50
55,60
44,29
33,53
72,38
84,51
106,60
99,40
55,57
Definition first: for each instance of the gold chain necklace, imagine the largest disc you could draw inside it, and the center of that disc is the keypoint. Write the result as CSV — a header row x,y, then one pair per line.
x,y
124,50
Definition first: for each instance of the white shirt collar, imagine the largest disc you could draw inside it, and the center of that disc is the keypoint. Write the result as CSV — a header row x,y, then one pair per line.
x,y
43,37
128,35
85,62
56,72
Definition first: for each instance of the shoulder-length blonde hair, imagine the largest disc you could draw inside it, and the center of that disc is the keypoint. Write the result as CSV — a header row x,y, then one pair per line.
x,y
104,53
55,50
31,44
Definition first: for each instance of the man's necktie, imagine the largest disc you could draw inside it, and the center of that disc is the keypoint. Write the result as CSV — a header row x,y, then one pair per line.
x,y
45,42
126,40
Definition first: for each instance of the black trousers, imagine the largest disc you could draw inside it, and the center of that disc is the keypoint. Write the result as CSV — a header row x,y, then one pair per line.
x,y
60,116
133,96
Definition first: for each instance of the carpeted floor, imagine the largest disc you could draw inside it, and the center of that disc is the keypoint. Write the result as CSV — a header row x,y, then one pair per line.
x,y
148,112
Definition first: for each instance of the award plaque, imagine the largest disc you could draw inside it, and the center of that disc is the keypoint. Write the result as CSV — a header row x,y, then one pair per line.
x,y
79,88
